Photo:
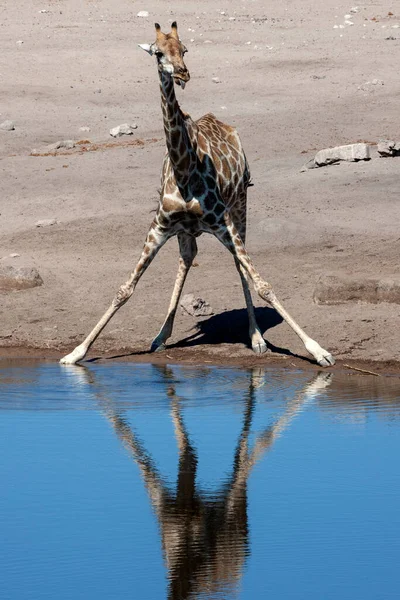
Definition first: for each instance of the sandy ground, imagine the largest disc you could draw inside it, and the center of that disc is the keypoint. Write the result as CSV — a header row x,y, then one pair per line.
x,y
289,81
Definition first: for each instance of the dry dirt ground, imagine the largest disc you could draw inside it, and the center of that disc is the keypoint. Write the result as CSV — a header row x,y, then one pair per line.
x,y
289,81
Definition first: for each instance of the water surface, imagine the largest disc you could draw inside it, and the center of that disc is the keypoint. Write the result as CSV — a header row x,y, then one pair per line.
x,y
136,481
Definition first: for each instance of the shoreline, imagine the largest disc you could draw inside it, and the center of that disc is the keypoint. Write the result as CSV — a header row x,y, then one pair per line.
x,y
201,356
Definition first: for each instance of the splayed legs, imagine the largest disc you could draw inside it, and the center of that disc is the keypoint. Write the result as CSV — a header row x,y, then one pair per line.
x,y
154,241
231,240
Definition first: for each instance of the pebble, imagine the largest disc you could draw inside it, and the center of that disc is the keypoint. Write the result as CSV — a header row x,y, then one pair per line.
x,y
66,144
142,13
14,255
46,223
7,126
84,128
20,42
124,129
197,307
216,80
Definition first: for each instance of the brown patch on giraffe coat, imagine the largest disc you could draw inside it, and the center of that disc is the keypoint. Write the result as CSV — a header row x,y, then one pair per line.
x,y
194,207
171,205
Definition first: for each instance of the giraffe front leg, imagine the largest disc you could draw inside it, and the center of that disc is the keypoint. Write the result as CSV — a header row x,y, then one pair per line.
x,y
154,241
188,251
229,236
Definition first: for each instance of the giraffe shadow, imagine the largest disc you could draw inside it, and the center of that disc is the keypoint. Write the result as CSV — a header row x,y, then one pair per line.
x,y
231,327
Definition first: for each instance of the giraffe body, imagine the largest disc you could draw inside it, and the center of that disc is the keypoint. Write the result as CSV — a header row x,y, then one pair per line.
x,y
204,184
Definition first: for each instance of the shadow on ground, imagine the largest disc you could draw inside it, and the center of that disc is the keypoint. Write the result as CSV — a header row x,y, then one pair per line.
x,y
229,327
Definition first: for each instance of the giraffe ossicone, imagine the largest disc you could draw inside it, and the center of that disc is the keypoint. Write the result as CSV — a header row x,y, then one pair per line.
x,y
204,181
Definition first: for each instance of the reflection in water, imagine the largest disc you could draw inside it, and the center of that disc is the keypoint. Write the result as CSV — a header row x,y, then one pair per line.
x,y
204,536
75,520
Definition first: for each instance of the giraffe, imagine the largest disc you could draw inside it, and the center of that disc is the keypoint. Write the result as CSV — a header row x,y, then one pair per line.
x,y
204,181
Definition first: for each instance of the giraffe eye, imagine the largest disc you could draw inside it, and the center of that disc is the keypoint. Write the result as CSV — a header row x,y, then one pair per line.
x,y
159,54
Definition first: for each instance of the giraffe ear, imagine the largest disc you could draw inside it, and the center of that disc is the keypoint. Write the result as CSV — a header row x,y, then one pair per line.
x,y
174,30
147,48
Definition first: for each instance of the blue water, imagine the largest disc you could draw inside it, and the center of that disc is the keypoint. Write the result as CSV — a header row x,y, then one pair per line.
x,y
135,481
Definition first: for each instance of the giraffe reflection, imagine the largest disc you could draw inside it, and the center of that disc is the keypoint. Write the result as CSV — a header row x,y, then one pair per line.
x,y
205,538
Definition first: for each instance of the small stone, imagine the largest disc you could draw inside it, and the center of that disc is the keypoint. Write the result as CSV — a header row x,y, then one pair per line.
x,y
65,144
84,128
355,9
19,278
347,22
43,11
124,129
351,152
196,307
46,223
97,91
142,13
343,289
216,80
19,43
232,19
7,126
388,148
14,255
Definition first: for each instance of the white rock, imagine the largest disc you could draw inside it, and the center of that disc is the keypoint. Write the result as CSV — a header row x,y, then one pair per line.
x,y
347,16
14,255
216,80
355,9
124,129
7,126
232,19
347,22
84,128
142,13
20,42
350,152
46,222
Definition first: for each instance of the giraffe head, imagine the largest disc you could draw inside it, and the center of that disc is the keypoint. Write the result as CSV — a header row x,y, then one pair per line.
x,y
169,52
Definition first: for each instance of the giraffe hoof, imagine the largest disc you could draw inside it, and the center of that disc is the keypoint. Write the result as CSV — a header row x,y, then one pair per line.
x,y
157,346
326,360
260,347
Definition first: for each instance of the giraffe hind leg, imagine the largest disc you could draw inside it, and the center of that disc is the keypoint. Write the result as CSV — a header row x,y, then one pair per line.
x,y
229,236
257,341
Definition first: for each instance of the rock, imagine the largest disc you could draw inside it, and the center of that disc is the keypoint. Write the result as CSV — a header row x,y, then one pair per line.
x,y
84,128
124,129
197,307
14,255
7,126
369,86
46,223
216,80
388,148
20,42
351,152
65,144
342,289
19,278
142,13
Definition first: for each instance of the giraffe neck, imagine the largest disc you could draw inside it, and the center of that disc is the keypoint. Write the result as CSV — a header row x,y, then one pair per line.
x,y
179,145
